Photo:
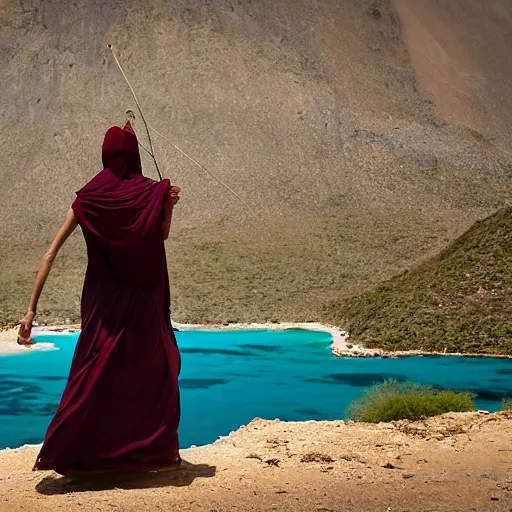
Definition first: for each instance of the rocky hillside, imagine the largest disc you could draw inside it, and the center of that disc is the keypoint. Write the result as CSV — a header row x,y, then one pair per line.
x,y
365,134
457,301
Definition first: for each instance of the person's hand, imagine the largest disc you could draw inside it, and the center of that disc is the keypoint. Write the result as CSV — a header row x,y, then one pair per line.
x,y
26,329
174,194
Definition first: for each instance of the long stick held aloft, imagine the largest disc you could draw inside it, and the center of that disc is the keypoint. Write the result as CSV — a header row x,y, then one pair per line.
x,y
151,151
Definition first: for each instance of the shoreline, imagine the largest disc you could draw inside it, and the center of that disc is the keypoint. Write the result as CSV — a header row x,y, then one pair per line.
x,y
340,346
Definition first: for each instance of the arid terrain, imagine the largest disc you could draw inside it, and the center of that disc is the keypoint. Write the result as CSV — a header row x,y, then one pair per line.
x,y
366,134
453,463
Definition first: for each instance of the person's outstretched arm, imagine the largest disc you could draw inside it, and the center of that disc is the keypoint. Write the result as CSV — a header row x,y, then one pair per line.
x,y
62,235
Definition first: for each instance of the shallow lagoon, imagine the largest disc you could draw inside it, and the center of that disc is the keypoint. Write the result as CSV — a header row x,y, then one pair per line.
x,y
230,377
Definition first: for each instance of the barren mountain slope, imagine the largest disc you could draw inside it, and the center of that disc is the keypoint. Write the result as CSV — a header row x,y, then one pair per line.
x,y
321,114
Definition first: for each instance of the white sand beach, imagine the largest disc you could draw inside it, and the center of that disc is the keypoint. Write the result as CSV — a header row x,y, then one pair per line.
x,y
8,337
341,346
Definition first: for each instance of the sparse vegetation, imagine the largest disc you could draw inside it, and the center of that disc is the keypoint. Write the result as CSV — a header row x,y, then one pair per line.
x,y
285,271
393,400
506,404
458,301
316,457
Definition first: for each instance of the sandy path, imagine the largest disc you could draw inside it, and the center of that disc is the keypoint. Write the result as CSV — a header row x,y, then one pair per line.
x,y
458,462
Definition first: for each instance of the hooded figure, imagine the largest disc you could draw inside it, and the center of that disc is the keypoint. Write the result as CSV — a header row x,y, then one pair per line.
x,y
120,409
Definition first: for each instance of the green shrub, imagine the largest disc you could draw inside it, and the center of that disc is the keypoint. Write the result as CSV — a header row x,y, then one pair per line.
x,y
393,400
506,404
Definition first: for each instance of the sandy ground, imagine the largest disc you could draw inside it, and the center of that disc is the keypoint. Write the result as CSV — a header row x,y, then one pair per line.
x,y
457,462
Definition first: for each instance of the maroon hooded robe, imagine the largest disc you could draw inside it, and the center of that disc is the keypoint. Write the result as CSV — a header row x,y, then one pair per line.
x,y
120,409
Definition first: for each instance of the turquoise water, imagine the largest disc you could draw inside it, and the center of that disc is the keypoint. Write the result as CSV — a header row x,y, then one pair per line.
x,y
230,377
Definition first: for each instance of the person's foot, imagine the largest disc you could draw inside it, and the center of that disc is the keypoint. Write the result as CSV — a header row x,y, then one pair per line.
x,y
165,469
182,464
76,473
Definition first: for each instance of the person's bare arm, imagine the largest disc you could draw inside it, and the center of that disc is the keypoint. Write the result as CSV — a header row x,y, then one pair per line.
x,y
170,201
62,235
